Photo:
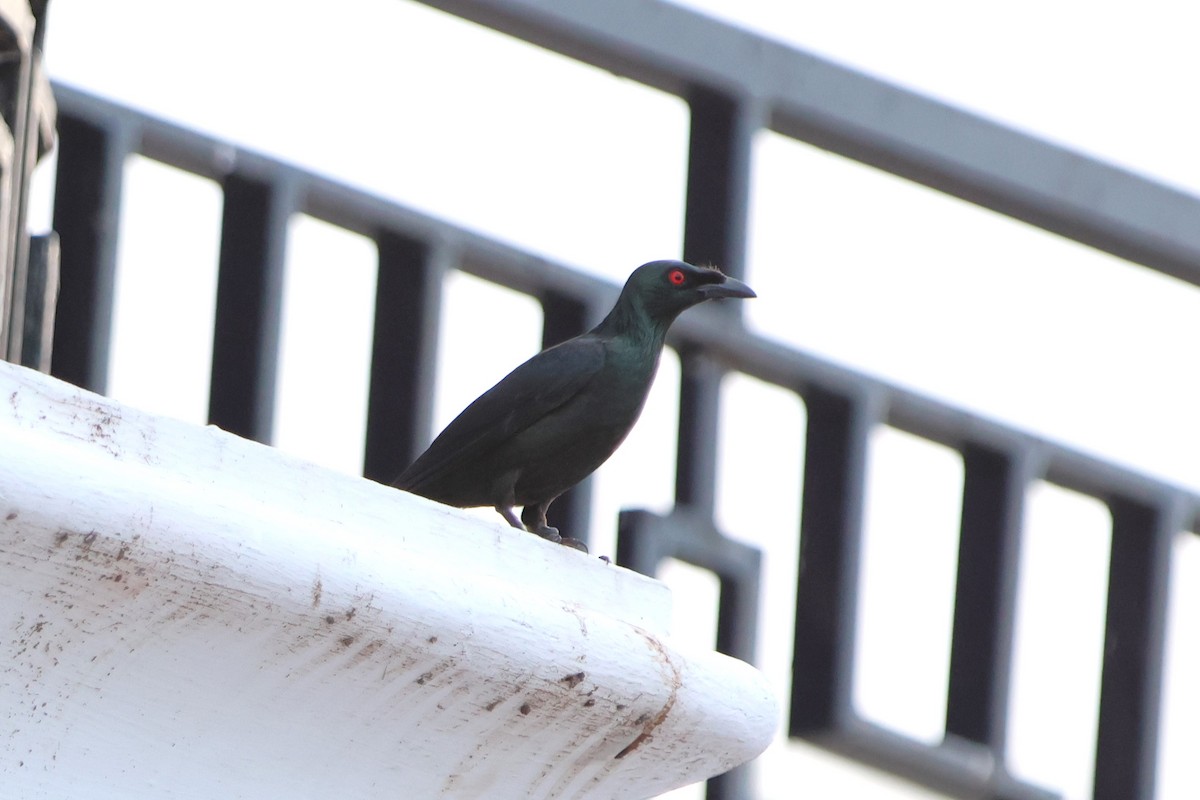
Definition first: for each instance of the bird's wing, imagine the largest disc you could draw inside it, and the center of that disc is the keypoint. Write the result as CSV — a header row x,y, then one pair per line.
x,y
525,395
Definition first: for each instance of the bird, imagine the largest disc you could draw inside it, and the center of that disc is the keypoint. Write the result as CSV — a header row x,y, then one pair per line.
x,y
554,419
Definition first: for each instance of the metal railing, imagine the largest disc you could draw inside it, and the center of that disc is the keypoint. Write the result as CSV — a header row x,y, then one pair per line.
x,y
735,84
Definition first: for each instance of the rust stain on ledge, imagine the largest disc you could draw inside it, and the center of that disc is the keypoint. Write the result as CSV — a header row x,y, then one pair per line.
x,y
676,681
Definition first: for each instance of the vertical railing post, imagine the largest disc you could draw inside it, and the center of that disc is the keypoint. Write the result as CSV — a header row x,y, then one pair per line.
x,y
1131,681
699,422
720,152
835,465
254,228
993,500
41,298
718,186
408,303
87,212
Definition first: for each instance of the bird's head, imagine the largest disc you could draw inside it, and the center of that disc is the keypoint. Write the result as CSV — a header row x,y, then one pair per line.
x,y
665,288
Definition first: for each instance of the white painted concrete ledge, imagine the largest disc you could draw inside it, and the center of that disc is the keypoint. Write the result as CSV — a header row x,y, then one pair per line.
x,y
186,614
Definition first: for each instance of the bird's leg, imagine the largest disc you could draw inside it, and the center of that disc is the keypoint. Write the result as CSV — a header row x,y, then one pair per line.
x,y
510,516
534,517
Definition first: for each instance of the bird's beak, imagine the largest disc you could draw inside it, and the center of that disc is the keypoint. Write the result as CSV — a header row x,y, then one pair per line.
x,y
730,287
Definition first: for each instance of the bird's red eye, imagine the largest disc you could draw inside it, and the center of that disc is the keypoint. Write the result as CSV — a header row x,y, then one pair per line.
x,y
676,277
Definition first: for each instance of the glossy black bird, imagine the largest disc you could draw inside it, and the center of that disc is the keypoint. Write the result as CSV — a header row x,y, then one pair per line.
x,y
556,418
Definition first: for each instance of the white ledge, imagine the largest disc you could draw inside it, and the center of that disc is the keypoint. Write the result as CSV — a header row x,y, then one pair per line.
x,y
190,614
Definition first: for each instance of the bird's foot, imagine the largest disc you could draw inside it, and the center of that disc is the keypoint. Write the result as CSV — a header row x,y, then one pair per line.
x,y
548,533
534,517
552,535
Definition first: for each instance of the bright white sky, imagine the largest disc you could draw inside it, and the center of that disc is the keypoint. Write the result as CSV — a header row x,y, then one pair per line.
x,y
849,263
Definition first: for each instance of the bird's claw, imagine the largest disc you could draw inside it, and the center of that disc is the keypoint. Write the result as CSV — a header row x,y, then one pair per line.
x,y
552,535
548,533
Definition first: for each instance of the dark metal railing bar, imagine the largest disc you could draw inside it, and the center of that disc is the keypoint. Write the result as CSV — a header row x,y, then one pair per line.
x,y
956,767
1009,172
739,567
408,305
1131,680
643,541
995,484
834,485
249,310
720,153
697,432
40,301
87,212
720,163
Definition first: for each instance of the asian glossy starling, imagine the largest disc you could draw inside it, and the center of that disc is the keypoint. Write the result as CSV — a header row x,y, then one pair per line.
x,y
556,418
